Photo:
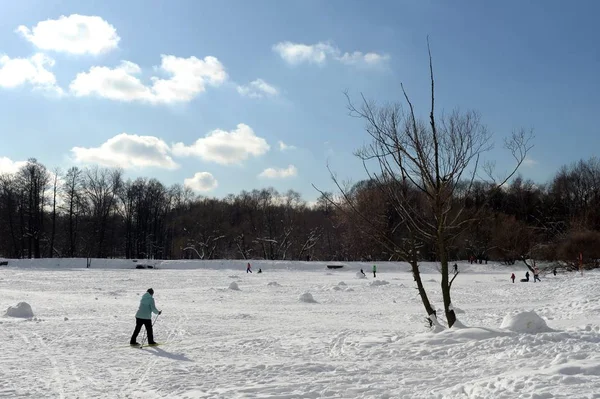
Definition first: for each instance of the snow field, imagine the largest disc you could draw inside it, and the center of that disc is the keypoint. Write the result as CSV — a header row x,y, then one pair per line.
x,y
360,340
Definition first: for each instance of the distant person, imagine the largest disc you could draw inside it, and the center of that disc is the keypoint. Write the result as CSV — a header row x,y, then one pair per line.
x,y
248,268
259,270
536,275
363,273
374,271
512,277
143,317
554,271
526,279
455,268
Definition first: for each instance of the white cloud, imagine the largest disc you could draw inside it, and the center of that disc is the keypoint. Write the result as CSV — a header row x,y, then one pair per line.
x,y
357,57
529,162
273,173
284,147
297,53
225,147
188,78
257,89
15,72
75,34
128,151
8,166
202,182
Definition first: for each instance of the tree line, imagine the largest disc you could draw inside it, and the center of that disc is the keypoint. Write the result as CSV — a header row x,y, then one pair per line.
x,y
95,212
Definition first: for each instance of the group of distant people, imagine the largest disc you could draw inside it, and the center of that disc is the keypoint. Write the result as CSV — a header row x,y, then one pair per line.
x,y
536,275
374,271
249,269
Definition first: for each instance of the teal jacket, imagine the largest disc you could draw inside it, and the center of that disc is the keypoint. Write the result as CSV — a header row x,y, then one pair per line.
x,y
147,307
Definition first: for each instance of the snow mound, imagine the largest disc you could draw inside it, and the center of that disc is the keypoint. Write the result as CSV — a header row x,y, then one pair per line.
x,y
458,310
349,289
274,284
360,275
342,283
336,288
525,322
234,277
307,298
234,286
22,309
377,283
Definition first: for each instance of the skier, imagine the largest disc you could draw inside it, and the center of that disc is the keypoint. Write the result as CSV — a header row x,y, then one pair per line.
x,y
363,273
143,317
248,268
512,277
374,271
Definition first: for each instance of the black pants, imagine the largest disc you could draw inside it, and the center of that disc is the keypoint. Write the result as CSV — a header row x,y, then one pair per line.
x,y
138,326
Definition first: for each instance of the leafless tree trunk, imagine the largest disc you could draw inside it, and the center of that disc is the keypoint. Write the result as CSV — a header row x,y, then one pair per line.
x,y
54,191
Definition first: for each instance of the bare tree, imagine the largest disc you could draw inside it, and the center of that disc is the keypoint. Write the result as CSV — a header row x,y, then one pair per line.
x,y
56,175
422,167
73,204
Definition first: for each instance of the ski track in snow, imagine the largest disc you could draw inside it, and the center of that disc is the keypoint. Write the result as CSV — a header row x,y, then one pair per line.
x,y
262,342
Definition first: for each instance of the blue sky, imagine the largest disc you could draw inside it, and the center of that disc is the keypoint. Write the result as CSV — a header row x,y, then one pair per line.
x,y
273,71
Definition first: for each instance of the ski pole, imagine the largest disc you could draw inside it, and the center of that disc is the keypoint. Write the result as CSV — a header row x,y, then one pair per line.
x,y
146,336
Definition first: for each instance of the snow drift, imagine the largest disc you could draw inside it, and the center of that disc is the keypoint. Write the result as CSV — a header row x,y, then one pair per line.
x,y
525,322
307,298
22,309
377,283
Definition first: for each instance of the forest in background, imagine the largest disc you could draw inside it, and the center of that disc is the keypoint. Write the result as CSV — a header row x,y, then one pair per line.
x,y
95,212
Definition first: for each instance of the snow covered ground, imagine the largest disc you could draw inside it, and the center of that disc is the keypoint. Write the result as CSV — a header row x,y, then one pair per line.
x,y
355,339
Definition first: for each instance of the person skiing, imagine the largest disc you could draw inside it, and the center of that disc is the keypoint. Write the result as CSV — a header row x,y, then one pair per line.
x,y
143,317
374,271
363,273
248,268
512,277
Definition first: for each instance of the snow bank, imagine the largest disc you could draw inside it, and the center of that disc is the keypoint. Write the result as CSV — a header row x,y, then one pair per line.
x,y
307,298
274,284
376,283
234,286
525,322
22,309
232,264
360,275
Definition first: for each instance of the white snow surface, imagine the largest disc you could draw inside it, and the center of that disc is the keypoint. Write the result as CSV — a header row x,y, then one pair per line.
x,y
262,342
21,309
